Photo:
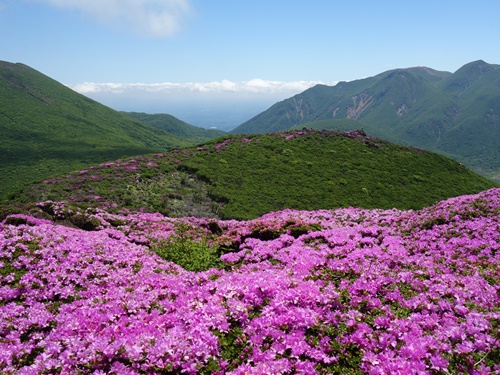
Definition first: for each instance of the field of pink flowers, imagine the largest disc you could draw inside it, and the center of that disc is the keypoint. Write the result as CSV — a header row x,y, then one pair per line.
x,y
347,291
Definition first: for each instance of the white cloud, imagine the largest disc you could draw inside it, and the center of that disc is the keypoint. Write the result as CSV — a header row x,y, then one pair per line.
x,y
254,86
157,18
224,104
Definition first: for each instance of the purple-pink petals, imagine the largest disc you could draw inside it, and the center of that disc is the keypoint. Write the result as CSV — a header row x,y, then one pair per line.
x,y
366,291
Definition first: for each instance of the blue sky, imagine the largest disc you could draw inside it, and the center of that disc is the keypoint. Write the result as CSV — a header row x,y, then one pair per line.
x,y
155,55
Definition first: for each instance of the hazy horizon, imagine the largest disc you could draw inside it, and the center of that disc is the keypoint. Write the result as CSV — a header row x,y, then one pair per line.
x,y
222,105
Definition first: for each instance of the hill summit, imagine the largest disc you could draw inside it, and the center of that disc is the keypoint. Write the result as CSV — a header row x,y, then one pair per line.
x,y
456,114
242,177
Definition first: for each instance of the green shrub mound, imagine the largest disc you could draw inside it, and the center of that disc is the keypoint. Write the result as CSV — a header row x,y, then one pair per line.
x,y
243,177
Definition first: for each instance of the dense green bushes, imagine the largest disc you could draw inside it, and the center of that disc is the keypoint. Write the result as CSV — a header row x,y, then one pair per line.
x,y
321,169
244,177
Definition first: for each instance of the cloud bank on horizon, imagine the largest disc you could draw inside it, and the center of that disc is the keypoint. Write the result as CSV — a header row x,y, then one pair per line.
x,y
150,18
254,86
222,104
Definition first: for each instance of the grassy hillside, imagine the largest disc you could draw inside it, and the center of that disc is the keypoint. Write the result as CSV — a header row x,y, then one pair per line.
x,y
457,115
173,125
244,177
46,128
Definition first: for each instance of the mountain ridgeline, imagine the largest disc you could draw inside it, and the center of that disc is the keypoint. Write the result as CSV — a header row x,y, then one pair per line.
x,y
173,125
243,177
456,114
47,128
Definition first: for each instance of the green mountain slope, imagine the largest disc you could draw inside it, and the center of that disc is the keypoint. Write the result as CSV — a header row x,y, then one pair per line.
x,y
173,125
456,114
244,177
46,128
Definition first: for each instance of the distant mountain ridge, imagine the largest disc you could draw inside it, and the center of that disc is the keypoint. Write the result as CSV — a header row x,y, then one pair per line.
x,y
456,114
46,128
173,125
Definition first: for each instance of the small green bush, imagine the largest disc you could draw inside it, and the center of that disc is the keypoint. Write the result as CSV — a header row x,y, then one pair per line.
x,y
186,250
190,255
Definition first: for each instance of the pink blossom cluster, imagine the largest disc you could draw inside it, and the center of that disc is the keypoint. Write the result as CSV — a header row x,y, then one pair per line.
x,y
292,134
302,292
225,142
222,144
131,164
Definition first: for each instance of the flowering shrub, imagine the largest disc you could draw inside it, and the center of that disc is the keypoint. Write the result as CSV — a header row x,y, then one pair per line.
x,y
348,291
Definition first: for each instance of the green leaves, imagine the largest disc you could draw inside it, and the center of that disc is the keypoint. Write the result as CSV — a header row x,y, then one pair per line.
x,y
188,250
